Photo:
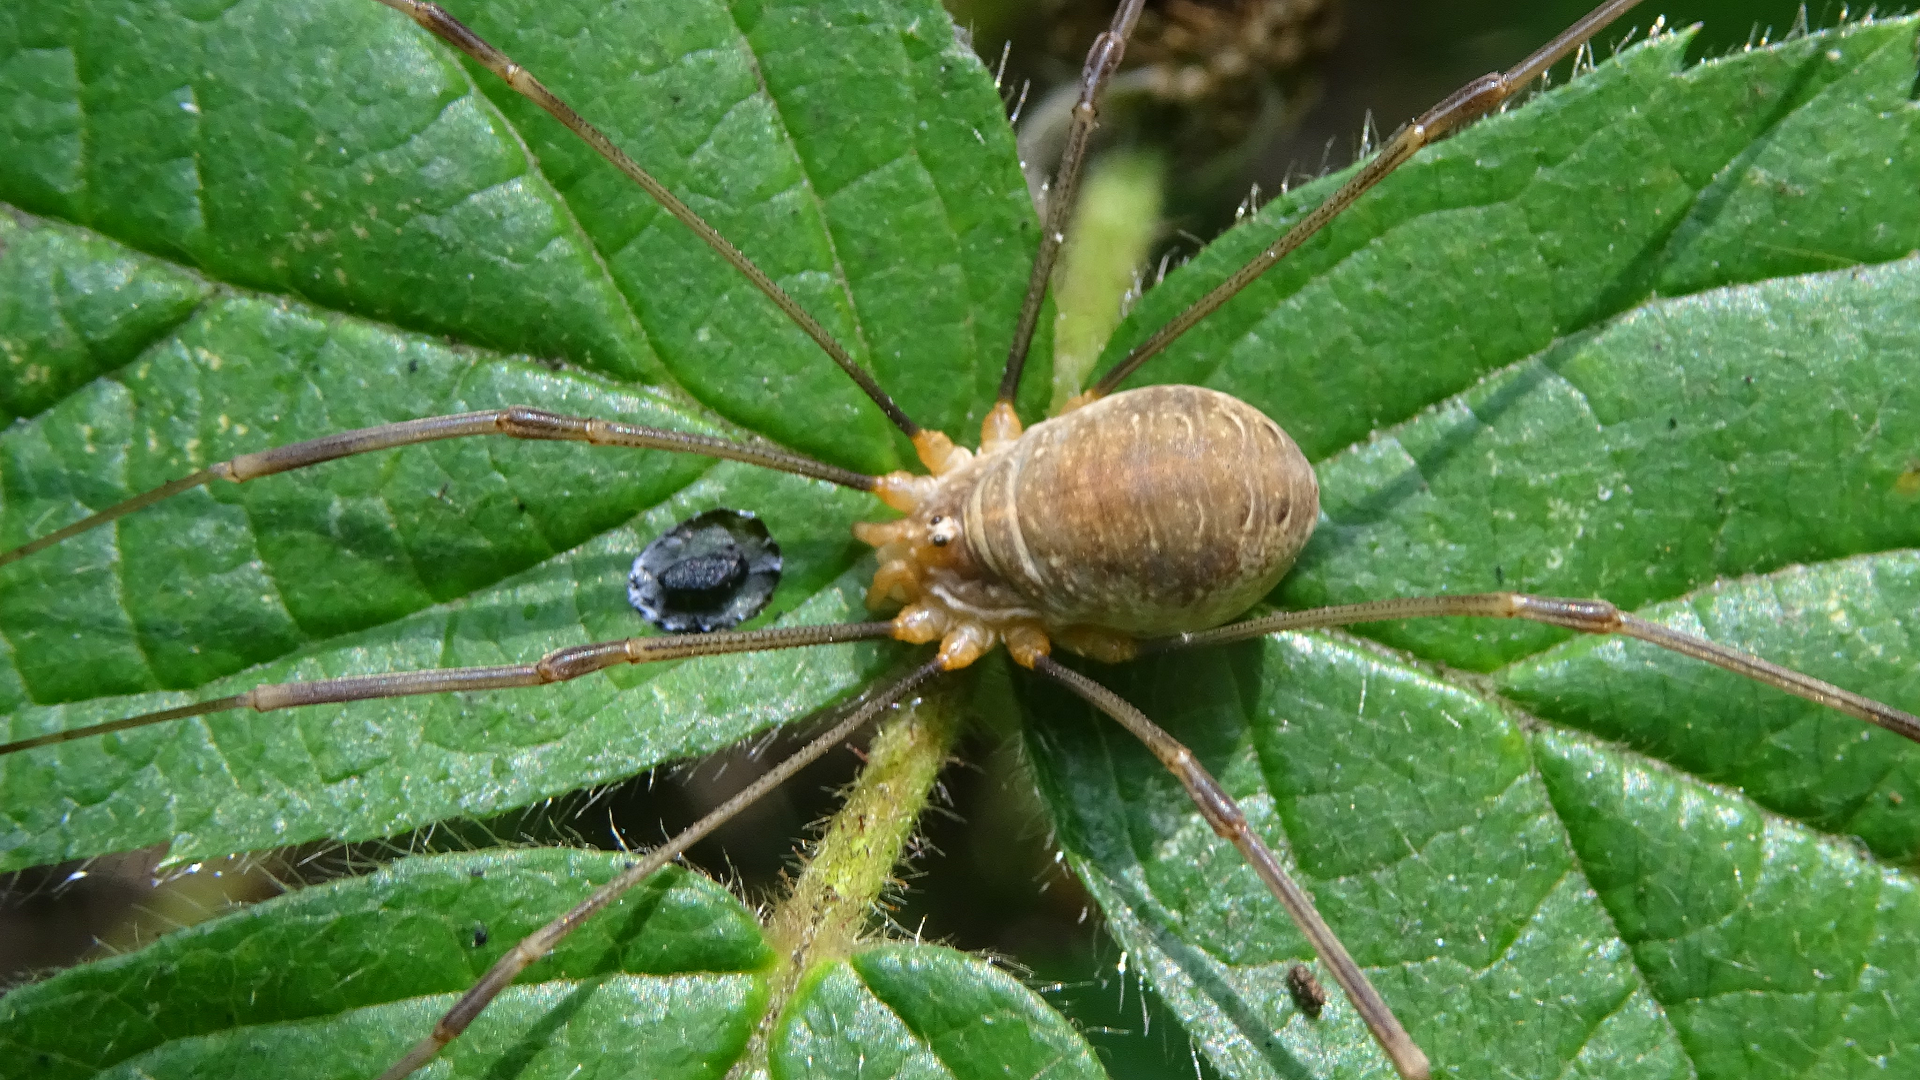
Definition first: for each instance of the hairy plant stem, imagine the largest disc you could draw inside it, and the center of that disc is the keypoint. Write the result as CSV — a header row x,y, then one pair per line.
x,y
826,916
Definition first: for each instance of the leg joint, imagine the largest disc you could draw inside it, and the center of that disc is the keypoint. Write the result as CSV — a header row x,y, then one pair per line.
x,y
1586,616
523,422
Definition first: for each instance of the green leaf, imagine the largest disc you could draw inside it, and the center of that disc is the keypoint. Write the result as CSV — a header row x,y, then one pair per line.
x,y
74,306
1611,357
1650,332
913,1010
411,205
672,981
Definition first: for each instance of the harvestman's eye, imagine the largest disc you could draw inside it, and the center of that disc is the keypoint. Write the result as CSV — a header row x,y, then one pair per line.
x,y
711,572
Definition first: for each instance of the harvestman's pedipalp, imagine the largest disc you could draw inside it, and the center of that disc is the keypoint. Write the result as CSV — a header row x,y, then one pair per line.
x,y
1028,643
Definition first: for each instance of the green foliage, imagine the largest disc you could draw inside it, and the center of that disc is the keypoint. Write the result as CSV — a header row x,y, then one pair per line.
x,y
1602,358
675,975
1651,332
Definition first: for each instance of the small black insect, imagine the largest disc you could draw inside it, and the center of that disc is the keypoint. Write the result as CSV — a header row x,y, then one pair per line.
x,y
710,572
1308,995
479,936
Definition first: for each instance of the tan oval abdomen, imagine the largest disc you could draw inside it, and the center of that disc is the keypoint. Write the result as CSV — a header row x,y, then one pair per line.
x,y
1151,512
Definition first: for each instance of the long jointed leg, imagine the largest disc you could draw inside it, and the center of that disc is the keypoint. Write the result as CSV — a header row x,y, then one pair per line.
x,y
542,941
453,32
557,666
1102,61
1226,819
1587,616
514,422
1474,100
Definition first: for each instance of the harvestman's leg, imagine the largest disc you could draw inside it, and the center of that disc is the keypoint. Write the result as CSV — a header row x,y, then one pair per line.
x,y
1587,616
1224,815
515,422
455,33
559,665
543,940
1466,104
1103,59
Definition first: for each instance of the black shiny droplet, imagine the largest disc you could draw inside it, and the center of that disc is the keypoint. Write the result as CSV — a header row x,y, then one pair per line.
x,y
711,572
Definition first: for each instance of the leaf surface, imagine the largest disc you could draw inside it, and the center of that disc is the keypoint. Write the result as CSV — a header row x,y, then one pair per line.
x,y
1597,367
330,193
672,980
1648,333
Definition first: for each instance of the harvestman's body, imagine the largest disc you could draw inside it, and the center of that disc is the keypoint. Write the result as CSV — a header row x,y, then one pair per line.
x,y
1201,507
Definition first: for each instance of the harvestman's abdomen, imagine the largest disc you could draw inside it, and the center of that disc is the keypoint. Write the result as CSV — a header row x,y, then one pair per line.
x,y
1154,511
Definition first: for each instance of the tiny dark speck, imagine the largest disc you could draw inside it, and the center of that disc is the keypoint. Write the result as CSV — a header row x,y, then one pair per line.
x,y
1672,423
413,366
1308,995
1500,575
479,936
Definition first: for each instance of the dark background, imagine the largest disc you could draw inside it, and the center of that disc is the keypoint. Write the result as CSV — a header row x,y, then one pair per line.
x,y
1388,59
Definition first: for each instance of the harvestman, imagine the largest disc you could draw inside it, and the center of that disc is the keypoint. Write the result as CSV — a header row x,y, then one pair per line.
x,y
986,554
